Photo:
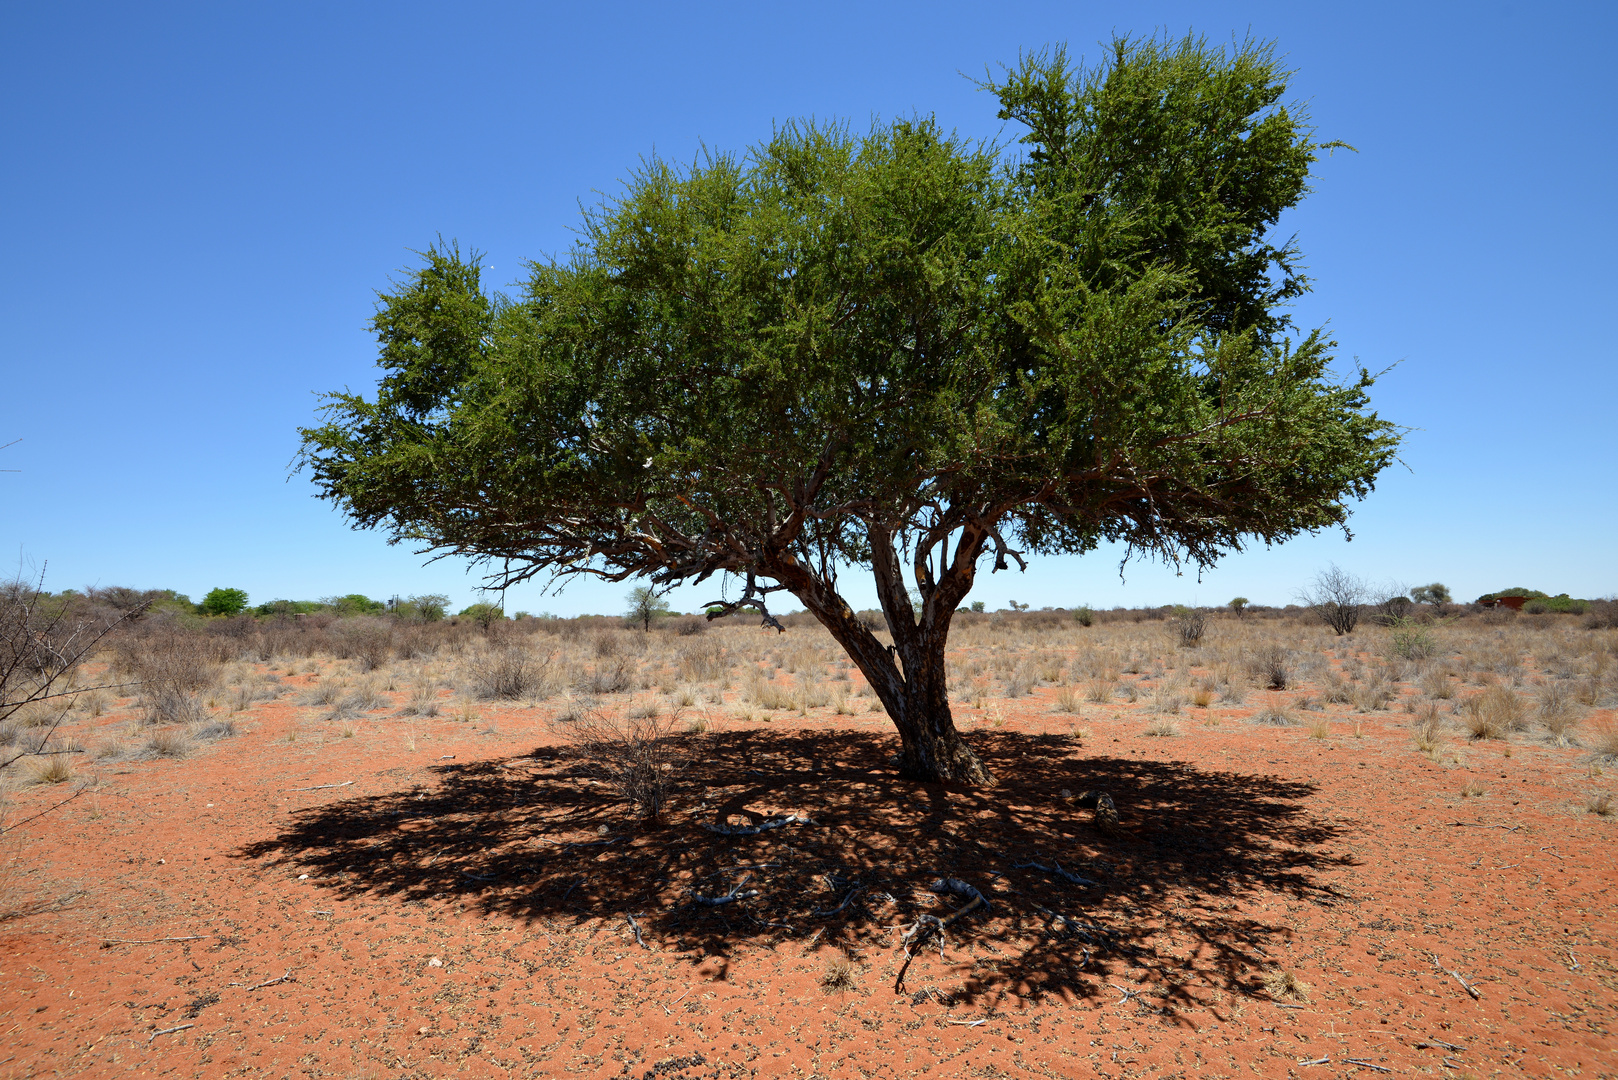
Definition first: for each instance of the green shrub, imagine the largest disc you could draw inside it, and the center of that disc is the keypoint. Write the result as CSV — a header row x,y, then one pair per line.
x,y
484,614
224,602
1412,640
1084,616
354,604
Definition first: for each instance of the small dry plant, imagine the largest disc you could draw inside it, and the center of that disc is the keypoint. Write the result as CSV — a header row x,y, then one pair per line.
x,y
840,976
1604,744
1271,666
1284,985
1067,700
1472,790
1424,732
634,754
1161,729
1320,730
1600,804
1275,716
1100,691
1493,714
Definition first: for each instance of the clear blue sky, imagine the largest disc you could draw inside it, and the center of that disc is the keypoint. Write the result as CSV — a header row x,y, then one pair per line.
x,y
200,201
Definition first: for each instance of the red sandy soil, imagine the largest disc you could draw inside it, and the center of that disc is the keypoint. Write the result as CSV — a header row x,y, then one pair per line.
x,y
428,919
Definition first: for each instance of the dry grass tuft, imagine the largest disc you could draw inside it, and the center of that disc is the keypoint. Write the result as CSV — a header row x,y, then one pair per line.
x,y
1600,804
1493,714
52,769
840,976
1472,790
1284,985
1161,729
1320,730
1275,716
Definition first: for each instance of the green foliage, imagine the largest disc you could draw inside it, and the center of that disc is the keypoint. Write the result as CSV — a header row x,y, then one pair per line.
x,y
896,350
223,602
977,605
1084,616
484,614
1411,639
428,607
644,606
1436,593
1239,604
286,608
353,604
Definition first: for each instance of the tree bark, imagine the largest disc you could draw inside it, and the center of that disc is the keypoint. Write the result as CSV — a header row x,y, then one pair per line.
x,y
908,677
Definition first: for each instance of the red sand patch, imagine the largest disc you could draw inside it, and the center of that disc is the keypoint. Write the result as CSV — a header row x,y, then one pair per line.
x,y
453,911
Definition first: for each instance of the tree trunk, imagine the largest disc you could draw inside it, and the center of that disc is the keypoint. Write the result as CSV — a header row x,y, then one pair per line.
x,y
907,677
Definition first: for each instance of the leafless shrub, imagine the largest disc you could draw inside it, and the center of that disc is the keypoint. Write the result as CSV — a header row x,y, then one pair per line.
x,y
1190,624
1600,804
367,640
613,675
634,754
1019,683
173,666
1336,597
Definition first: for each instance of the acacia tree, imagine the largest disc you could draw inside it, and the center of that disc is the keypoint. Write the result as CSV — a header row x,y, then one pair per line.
x,y
900,353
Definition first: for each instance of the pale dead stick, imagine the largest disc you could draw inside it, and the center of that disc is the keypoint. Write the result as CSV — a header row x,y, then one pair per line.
x,y
1317,1061
1366,1065
168,1031
154,941
1468,987
321,787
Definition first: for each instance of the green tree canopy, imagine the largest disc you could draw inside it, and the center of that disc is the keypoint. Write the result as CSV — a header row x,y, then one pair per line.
x,y
644,606
224,602
901,352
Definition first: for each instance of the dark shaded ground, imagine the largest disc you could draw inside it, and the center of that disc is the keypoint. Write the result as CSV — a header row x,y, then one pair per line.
x,y
536,838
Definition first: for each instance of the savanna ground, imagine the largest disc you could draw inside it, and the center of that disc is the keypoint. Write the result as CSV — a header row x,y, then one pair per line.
x,y
363,850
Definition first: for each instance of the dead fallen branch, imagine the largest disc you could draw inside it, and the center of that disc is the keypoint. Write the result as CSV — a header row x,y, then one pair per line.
x,y
635,926
321,787
927,927
167,1031
733,895
1481,825
1055,871
1468,987
1366,1064
285,976
776,822
840,908
107,943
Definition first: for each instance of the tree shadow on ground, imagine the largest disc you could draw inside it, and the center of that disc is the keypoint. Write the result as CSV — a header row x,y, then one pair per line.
x,y
1172,908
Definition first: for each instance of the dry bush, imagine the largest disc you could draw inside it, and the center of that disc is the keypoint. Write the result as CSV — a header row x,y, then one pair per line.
x,y
1100,690
1320,730
635,755
1600,804
1161,729
1425,732
510,673
52,767
368,640
172,667
1190,625
1274,715
703,661
1473,790
1493,714
1233,692
168,743
1559,712
1271,667
1604,744
211,730
1437,685
1372,696
613,675
423,701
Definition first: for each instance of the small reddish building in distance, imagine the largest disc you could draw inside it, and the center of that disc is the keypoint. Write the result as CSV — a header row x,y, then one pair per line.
x,y
1515,603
